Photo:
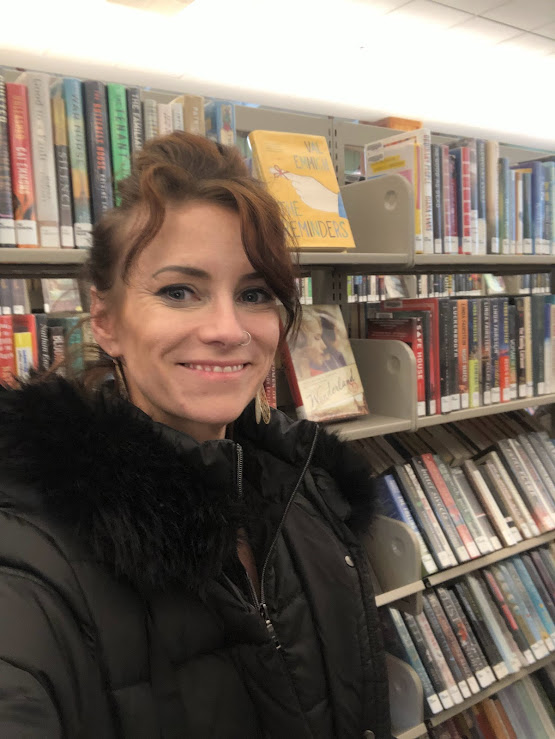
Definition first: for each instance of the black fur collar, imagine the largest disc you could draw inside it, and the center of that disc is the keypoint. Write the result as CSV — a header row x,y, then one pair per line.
x,y
153,505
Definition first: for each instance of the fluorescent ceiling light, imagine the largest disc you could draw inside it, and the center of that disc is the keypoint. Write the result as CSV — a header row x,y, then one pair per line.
x,y
333,57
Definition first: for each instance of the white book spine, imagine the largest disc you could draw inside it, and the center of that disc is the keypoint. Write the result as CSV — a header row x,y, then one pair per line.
x,y
164,119
44,168
178,122
150,109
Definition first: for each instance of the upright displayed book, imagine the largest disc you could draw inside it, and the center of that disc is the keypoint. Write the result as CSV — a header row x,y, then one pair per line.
x,y
321,368
299,173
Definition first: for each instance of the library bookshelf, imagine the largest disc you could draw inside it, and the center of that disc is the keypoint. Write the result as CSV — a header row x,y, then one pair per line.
x,y
381,213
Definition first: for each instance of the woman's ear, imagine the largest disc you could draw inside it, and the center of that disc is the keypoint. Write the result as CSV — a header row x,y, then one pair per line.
x,y
103,324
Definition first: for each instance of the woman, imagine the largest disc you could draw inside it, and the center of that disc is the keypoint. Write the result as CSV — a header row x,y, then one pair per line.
x,y
170,567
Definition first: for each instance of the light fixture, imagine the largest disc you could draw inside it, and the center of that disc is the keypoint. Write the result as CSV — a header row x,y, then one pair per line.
x,y
162,7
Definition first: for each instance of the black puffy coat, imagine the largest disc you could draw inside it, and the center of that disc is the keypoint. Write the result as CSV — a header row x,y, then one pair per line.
x,y
124,610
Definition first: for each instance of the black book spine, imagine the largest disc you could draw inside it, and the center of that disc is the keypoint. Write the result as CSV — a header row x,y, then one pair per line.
x,y
444,364
487,382
513,353
41,321
538,347
440,510
426,656
437,190
454,356
479,627
7,228
135,118
495,364
98,145
465,636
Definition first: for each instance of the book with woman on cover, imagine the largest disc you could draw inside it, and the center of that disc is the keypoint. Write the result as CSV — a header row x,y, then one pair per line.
x,y
321,368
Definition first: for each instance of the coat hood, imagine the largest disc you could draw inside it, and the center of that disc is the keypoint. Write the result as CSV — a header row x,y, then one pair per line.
x,y
150,503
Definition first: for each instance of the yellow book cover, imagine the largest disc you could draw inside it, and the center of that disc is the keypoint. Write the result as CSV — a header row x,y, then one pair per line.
x,y
23,348
299,173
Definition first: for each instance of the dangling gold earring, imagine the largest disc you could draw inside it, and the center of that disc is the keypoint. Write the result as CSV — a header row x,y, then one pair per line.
x,y
120,379
261,406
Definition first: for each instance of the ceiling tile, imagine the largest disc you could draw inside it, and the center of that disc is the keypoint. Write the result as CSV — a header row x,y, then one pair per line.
x,y
487,30
474,6
433,13
548,30
385,6
532,42
525,14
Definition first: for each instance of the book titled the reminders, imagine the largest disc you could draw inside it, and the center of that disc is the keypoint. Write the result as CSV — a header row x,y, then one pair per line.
x,y
299,173
321,368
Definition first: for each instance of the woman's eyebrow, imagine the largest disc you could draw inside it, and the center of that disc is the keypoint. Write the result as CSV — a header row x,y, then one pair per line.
x,y
189,271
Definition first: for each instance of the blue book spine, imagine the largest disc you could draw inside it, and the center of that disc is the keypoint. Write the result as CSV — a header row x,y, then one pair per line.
x,y
409,654
527,214
538,208
527,608
395,506
512,211
537,601
481,174
504,205
549,168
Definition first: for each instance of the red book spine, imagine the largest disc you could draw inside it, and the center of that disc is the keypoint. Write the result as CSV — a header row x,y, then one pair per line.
x,y
466,201
454,208
26,322
447,498
463,352
270,387
429,304
21,165
7,354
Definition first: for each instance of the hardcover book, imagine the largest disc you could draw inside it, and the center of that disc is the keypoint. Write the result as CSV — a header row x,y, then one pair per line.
x,y
7,225
299,173
73,96
321,368
21,166
42,147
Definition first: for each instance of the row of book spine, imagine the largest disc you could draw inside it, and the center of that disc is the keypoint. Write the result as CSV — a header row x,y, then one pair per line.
x,y
65,145
364,288
37,341
478,629
467,198
470,352
462,513
523,709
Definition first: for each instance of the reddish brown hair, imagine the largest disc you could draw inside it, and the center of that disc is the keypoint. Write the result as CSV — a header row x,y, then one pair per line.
x,y
180,168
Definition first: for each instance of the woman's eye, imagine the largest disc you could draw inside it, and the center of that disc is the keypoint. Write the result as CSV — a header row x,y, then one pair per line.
x,y
177,293
257,295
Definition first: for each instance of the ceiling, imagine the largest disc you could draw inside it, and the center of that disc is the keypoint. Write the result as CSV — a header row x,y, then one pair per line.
x,y
471,67
526,24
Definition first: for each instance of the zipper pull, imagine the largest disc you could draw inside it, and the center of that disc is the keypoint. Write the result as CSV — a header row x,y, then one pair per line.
x,y
269,626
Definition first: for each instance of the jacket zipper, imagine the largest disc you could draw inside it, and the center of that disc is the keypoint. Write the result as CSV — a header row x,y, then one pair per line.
x,y
261,603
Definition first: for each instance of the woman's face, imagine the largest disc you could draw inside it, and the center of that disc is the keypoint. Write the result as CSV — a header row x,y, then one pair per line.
x,y
315,347
179,323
